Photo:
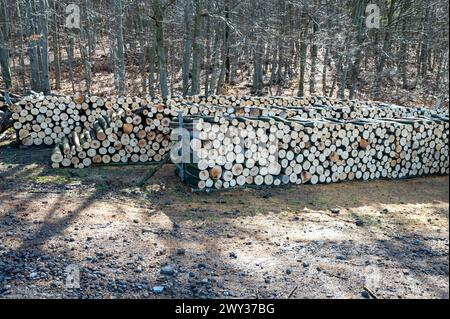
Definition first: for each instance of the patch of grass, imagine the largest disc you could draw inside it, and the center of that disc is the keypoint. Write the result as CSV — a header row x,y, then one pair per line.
x,y
368,220
240,200
211,218
443,213
49,179
189,215
53,176
30,172
194,216
102,187
77,173
283,215
298,202
181,200
9,140
404,220
5,143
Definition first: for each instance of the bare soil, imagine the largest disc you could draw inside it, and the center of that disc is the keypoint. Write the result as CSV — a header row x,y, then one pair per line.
x,y
383,239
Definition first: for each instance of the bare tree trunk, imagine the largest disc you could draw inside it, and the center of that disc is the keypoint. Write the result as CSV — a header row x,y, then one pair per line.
x,y
403,57
21,46
32,47
4,54
280,77
424,47
162,70
386,46
314,51
324,70
215,64
69,50
227,41
90,29
258,84
187,46
208,55
437,86
274,69
120,46
55,47
303,53
44,45
359,19
151,74
4,62
112,52
224,76
85,61
343,75
142,48
197,55
335,79
172,70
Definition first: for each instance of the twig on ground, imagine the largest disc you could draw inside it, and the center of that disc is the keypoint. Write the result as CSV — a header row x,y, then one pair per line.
x,y
371,293
292,292
257,293
154,170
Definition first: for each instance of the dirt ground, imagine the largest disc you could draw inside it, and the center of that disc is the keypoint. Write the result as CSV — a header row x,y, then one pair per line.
x,y
383,239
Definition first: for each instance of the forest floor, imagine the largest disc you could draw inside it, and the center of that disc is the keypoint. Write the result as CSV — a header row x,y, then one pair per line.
x,y
324,241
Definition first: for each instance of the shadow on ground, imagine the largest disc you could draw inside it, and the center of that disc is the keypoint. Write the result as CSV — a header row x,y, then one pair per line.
x,y
66,196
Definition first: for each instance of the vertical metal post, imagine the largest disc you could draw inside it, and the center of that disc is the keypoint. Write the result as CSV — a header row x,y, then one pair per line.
x,y
180,127
7,98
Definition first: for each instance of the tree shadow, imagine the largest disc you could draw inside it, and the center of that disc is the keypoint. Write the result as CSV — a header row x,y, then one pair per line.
x,y
336,268
204,218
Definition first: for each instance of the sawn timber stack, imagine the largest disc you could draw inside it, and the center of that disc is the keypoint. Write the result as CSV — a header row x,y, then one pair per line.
x,y
242,141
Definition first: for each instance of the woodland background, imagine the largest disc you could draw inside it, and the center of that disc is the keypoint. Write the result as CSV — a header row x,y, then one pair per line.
x,y
189,47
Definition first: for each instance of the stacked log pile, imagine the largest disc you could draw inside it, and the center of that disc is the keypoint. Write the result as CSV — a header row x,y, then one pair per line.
x,y
122,130
6,98
5,114
88,130
5,120
327,103
242,141
92,130
230,152
46,120
308,107
273,151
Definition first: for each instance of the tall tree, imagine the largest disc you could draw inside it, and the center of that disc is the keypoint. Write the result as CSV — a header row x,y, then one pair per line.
x,y
224,76
32,46
314,53
303,50
55,29
187,46
4,62
44,46
120,46
258,84
193,46
197,48
359,23
158,12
